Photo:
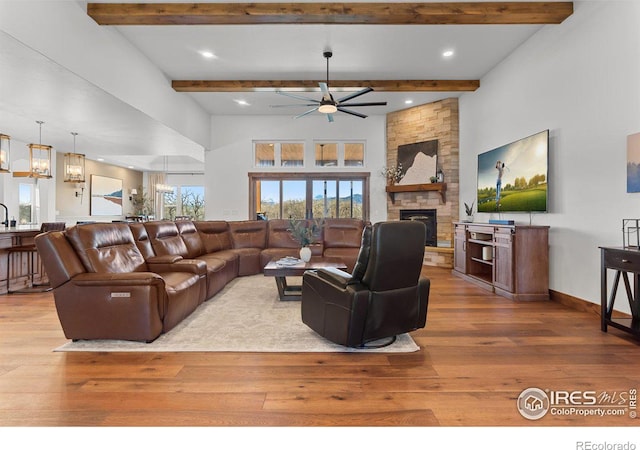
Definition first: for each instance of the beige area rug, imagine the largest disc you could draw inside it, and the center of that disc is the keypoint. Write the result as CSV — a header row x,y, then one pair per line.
x,y
246,316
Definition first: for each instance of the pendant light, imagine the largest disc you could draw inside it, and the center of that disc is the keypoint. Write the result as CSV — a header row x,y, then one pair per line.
x,y
39,159
74,165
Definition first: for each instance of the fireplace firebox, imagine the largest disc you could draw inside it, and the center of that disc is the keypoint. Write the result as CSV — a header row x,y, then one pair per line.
x,y
426,216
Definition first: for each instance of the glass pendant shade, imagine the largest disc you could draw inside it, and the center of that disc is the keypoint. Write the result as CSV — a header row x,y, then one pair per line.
x,y
74,168
40,160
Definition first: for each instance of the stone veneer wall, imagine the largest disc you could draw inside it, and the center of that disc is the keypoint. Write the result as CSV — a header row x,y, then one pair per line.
x,y
438,120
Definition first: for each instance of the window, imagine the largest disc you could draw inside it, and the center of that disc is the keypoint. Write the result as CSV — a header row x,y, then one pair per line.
x,y
278,154
25,202
339,154
265,155
326,155
192,202
354,154
309,195
169,209
292,155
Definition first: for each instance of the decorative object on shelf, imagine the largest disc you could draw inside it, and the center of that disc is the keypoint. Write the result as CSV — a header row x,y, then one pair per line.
x,y
631,233
305,233
5,153
393,174
468,209
39,159
440,176
433,179
74,165
419,161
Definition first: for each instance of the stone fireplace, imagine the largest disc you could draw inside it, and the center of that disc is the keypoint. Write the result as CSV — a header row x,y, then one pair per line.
x,y
432,121
429,218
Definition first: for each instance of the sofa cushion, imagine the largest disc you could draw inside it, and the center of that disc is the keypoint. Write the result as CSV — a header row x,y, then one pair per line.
x,y
106,247
343,233
215,235
248,234
142,240
165,238
191,238
279,235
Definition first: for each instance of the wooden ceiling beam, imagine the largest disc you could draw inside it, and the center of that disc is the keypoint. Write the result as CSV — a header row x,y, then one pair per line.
x,y
416,13
335,85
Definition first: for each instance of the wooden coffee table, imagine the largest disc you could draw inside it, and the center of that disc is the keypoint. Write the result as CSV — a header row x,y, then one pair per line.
x,y
280,272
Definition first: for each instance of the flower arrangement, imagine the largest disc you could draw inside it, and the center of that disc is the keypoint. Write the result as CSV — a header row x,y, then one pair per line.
x,y
393,174
305,232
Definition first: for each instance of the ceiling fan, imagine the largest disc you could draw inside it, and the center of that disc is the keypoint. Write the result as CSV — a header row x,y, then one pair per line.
x,y
327,105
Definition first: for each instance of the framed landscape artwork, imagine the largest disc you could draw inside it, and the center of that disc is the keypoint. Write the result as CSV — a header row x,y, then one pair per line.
x,y
633,163
419,161
106,196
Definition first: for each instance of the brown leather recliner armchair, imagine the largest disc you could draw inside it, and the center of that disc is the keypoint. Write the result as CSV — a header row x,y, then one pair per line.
x,y
383,297
104,289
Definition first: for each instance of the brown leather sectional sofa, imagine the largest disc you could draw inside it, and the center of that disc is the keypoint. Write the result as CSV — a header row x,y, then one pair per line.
x,y
135,281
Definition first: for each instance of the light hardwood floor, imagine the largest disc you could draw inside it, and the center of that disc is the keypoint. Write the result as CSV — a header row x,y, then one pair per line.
x,y
478,353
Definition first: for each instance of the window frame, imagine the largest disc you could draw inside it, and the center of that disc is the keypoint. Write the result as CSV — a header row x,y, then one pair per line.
x,y
309,177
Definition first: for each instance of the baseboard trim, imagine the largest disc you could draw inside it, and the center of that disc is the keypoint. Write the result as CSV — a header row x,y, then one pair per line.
x,y
579,304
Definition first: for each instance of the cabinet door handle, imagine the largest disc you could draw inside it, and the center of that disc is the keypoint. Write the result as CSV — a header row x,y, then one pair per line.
x,y
625,261
464,246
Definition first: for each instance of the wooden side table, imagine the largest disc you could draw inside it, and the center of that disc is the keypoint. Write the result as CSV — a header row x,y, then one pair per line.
x,y
625,262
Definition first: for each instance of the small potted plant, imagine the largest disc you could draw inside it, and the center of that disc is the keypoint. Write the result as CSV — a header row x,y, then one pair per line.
x,y
468,209
305,233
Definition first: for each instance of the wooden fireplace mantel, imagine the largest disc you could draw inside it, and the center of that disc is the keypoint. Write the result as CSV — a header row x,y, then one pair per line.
x,y
441,188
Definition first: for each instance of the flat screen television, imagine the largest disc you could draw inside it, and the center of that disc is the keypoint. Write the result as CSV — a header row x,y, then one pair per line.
x,y
513,177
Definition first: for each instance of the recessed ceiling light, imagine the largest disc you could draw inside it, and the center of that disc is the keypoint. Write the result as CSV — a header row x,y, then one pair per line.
x,y
241,102
207,54
408,102
130,167
100,159
447,53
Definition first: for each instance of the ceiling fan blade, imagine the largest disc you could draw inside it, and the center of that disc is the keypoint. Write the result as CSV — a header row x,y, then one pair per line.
x,y
298,97
355,94
325,91
286,106
353,113
330,117
306,113
364,104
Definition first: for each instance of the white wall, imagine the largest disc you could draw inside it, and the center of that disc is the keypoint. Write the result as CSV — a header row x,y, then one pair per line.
x,y
231,156
581,80
53,27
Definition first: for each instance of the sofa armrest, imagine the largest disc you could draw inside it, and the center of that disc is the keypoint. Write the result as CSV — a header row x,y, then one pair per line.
x,y
164,259
194,266
337,277
116,279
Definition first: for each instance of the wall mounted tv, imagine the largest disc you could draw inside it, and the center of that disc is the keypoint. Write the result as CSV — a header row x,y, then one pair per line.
x,y
513,178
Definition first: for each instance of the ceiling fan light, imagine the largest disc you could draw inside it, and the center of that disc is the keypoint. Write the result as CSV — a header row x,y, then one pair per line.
x,y
328,108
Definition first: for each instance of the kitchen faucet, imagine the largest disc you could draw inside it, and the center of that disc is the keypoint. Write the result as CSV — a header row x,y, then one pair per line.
x,y
6,215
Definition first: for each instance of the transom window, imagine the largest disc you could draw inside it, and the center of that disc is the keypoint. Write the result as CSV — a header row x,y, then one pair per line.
x,y
278,154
